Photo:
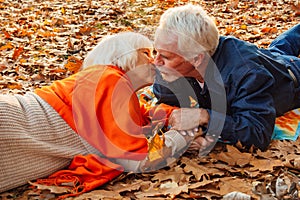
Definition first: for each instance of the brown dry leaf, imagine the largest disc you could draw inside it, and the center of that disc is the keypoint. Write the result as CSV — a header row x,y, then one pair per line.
x,y
266,154
169,189
176,174
132,186
46,34
86,30
38,77
199,171
281,148
200,184
99,194
17,52
296,8
73,64
269,30
234,184
7,34
53,189
234,4
292,161
233,157
222,168
57,71
265,164
3,67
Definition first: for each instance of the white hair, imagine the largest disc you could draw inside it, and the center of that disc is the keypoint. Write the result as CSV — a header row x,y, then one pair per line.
x,y
119,50
195,30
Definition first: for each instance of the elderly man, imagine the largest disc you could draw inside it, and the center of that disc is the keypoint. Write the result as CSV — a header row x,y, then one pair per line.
x,y
240,88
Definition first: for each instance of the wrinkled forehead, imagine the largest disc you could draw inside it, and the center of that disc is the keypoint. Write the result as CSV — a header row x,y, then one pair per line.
x,y
166,40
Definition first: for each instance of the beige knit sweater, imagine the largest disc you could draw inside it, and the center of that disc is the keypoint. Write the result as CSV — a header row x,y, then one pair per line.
x,y
34,140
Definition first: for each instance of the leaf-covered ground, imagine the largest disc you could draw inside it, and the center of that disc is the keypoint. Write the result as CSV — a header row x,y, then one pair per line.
x,y
40,39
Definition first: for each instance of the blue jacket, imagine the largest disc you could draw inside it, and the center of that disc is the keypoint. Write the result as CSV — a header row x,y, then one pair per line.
x,y
256,84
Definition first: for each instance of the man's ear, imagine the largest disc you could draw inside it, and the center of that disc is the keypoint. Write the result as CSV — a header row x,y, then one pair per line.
x,y
197,60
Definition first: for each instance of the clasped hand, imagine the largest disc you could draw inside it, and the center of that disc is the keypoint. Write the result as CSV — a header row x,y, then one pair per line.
x,y
187,122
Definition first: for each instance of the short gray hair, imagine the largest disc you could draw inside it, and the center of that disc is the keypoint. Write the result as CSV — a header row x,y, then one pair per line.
x,y
119,50
195,30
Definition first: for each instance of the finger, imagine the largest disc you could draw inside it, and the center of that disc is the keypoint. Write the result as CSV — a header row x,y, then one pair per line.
x,y
191,133
182,133
198,133
191,148
209,138
194,146
171,121
200,140
172,117
206,143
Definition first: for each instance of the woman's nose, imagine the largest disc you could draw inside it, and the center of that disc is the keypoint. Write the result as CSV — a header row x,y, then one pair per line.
x,y
151,60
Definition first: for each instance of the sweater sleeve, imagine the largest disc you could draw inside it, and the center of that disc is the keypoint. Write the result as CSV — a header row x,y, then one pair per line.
x,y
173,140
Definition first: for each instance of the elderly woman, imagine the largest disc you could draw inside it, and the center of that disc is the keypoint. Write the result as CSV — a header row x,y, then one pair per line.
x,y
94,112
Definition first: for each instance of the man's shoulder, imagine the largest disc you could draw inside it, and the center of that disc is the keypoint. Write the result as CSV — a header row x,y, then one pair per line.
x,y
226,41
231,48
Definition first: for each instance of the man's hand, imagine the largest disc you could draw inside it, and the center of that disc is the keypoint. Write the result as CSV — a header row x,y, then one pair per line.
x,y
188,118
202,144
198,141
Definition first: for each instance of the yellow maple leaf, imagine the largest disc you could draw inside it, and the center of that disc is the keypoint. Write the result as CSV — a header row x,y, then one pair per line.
x,y
73,64
194,103
156,144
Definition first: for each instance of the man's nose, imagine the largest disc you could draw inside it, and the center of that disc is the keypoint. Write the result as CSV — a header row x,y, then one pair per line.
x,y
157,60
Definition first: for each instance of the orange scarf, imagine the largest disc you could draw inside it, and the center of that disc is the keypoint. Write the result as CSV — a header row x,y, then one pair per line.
x,y
85,173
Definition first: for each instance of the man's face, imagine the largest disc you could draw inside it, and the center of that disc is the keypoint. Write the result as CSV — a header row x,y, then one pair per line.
x,y
168,59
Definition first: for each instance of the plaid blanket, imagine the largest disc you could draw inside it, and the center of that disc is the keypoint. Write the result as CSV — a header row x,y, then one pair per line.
x,y
287,127
34,140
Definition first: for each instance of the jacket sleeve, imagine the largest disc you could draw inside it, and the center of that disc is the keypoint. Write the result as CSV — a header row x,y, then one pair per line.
x,y
251,114
153,115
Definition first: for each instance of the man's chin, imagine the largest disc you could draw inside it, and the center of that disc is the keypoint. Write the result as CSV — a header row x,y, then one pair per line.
x,y
169,78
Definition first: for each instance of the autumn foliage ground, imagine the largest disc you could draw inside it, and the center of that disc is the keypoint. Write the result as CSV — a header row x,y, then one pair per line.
x,y
42,39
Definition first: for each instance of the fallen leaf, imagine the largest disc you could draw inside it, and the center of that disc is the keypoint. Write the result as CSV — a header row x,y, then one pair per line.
x,y
6,46
17,52
53,189
233,184
155,144
233,157
265,164
73,64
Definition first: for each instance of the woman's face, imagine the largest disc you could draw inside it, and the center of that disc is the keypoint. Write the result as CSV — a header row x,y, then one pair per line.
x,y
145,56
145,68
144,72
